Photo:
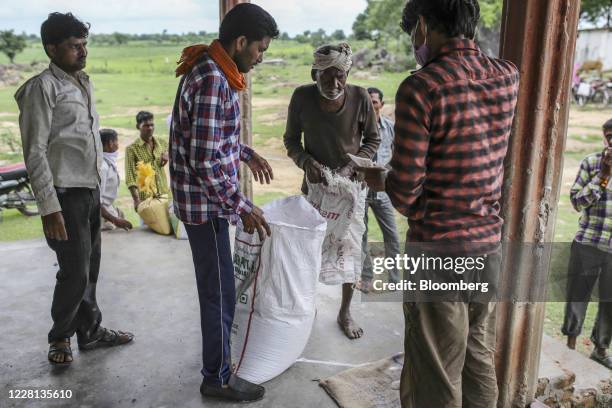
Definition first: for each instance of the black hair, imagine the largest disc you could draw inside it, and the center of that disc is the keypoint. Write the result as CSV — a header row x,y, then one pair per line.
x,y
143,116
107,136
608,124
451,17
249,20
372,90
59,27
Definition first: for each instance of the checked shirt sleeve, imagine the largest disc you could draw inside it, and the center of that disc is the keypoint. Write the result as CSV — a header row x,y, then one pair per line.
x,y
245,153
206,155
404,183
586,189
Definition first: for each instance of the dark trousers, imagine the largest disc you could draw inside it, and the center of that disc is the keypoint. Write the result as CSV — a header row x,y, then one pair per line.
x,y
587,265
74,307
214,269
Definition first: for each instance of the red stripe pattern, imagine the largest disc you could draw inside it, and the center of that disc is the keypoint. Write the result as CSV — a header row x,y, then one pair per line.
x,y
453,121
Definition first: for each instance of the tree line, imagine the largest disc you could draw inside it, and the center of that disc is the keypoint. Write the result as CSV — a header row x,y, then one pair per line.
x,y
372,24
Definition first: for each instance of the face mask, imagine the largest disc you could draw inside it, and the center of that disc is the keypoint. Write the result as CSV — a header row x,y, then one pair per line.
x,y
422,53
331,95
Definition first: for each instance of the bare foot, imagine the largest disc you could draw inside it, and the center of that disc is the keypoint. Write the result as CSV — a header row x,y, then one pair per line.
x,y
349,327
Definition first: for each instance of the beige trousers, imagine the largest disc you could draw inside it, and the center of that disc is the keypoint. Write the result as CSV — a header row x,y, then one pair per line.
x,y
449,355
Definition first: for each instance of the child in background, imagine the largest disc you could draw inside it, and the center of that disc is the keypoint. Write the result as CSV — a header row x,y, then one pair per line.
x,y
112,217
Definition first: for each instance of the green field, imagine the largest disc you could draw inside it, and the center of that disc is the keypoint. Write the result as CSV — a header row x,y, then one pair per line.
x,y
138,76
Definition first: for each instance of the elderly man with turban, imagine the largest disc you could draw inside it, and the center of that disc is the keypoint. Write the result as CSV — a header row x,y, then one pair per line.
x,y
335,118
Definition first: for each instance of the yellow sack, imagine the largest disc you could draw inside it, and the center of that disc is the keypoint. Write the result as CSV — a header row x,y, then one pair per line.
x,y
154,213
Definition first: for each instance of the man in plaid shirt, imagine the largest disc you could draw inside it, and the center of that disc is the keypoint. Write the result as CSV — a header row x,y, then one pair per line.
x,y
591,252
205,153
452,123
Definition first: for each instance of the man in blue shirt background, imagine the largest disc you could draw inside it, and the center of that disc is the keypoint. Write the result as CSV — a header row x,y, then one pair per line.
x,y
379,202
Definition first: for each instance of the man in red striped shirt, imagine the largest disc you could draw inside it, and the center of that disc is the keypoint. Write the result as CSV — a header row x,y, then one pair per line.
x,y
453,120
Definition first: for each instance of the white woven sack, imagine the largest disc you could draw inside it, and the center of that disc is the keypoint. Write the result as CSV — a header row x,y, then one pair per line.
x,y
275,288
342,203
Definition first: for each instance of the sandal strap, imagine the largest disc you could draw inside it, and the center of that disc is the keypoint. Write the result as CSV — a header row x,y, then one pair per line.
x,y
56,350
106,337
114,336
110,335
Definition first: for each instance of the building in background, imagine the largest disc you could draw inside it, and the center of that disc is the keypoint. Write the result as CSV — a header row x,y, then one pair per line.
x,y
593,44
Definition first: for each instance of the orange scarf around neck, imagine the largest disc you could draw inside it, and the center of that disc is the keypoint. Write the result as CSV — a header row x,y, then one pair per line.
x,y
192,54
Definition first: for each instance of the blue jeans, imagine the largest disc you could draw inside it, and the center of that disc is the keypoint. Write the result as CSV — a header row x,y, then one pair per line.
x,y
383,211
214,269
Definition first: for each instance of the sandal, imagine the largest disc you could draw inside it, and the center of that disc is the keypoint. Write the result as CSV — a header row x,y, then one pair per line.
x,y
109,338
60,347
606,360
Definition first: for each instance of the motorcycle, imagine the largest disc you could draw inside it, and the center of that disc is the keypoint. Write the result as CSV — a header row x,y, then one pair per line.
x,y
607,94
15,190
597,92
601,93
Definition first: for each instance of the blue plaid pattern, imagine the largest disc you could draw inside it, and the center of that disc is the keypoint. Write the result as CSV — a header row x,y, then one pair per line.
x,y
205,148
595,204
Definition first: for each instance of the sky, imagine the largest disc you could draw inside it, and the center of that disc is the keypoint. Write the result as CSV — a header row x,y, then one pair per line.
x,y
177,16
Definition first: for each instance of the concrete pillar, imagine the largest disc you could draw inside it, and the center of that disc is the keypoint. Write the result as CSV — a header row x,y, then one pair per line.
x,y
246,125
539,37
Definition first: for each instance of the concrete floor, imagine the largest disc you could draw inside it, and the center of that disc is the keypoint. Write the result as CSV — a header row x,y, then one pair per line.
x,y
147,286
556,359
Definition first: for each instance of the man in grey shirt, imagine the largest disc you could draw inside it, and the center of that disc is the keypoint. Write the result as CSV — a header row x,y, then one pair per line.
x,y
379,202
335,118
63,155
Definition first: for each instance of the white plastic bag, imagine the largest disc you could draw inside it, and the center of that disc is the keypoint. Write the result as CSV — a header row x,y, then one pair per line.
x,y
342,204
275,289
584,89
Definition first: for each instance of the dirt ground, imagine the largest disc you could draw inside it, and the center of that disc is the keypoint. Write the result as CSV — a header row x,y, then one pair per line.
x,y
160,112
287,176
583,125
